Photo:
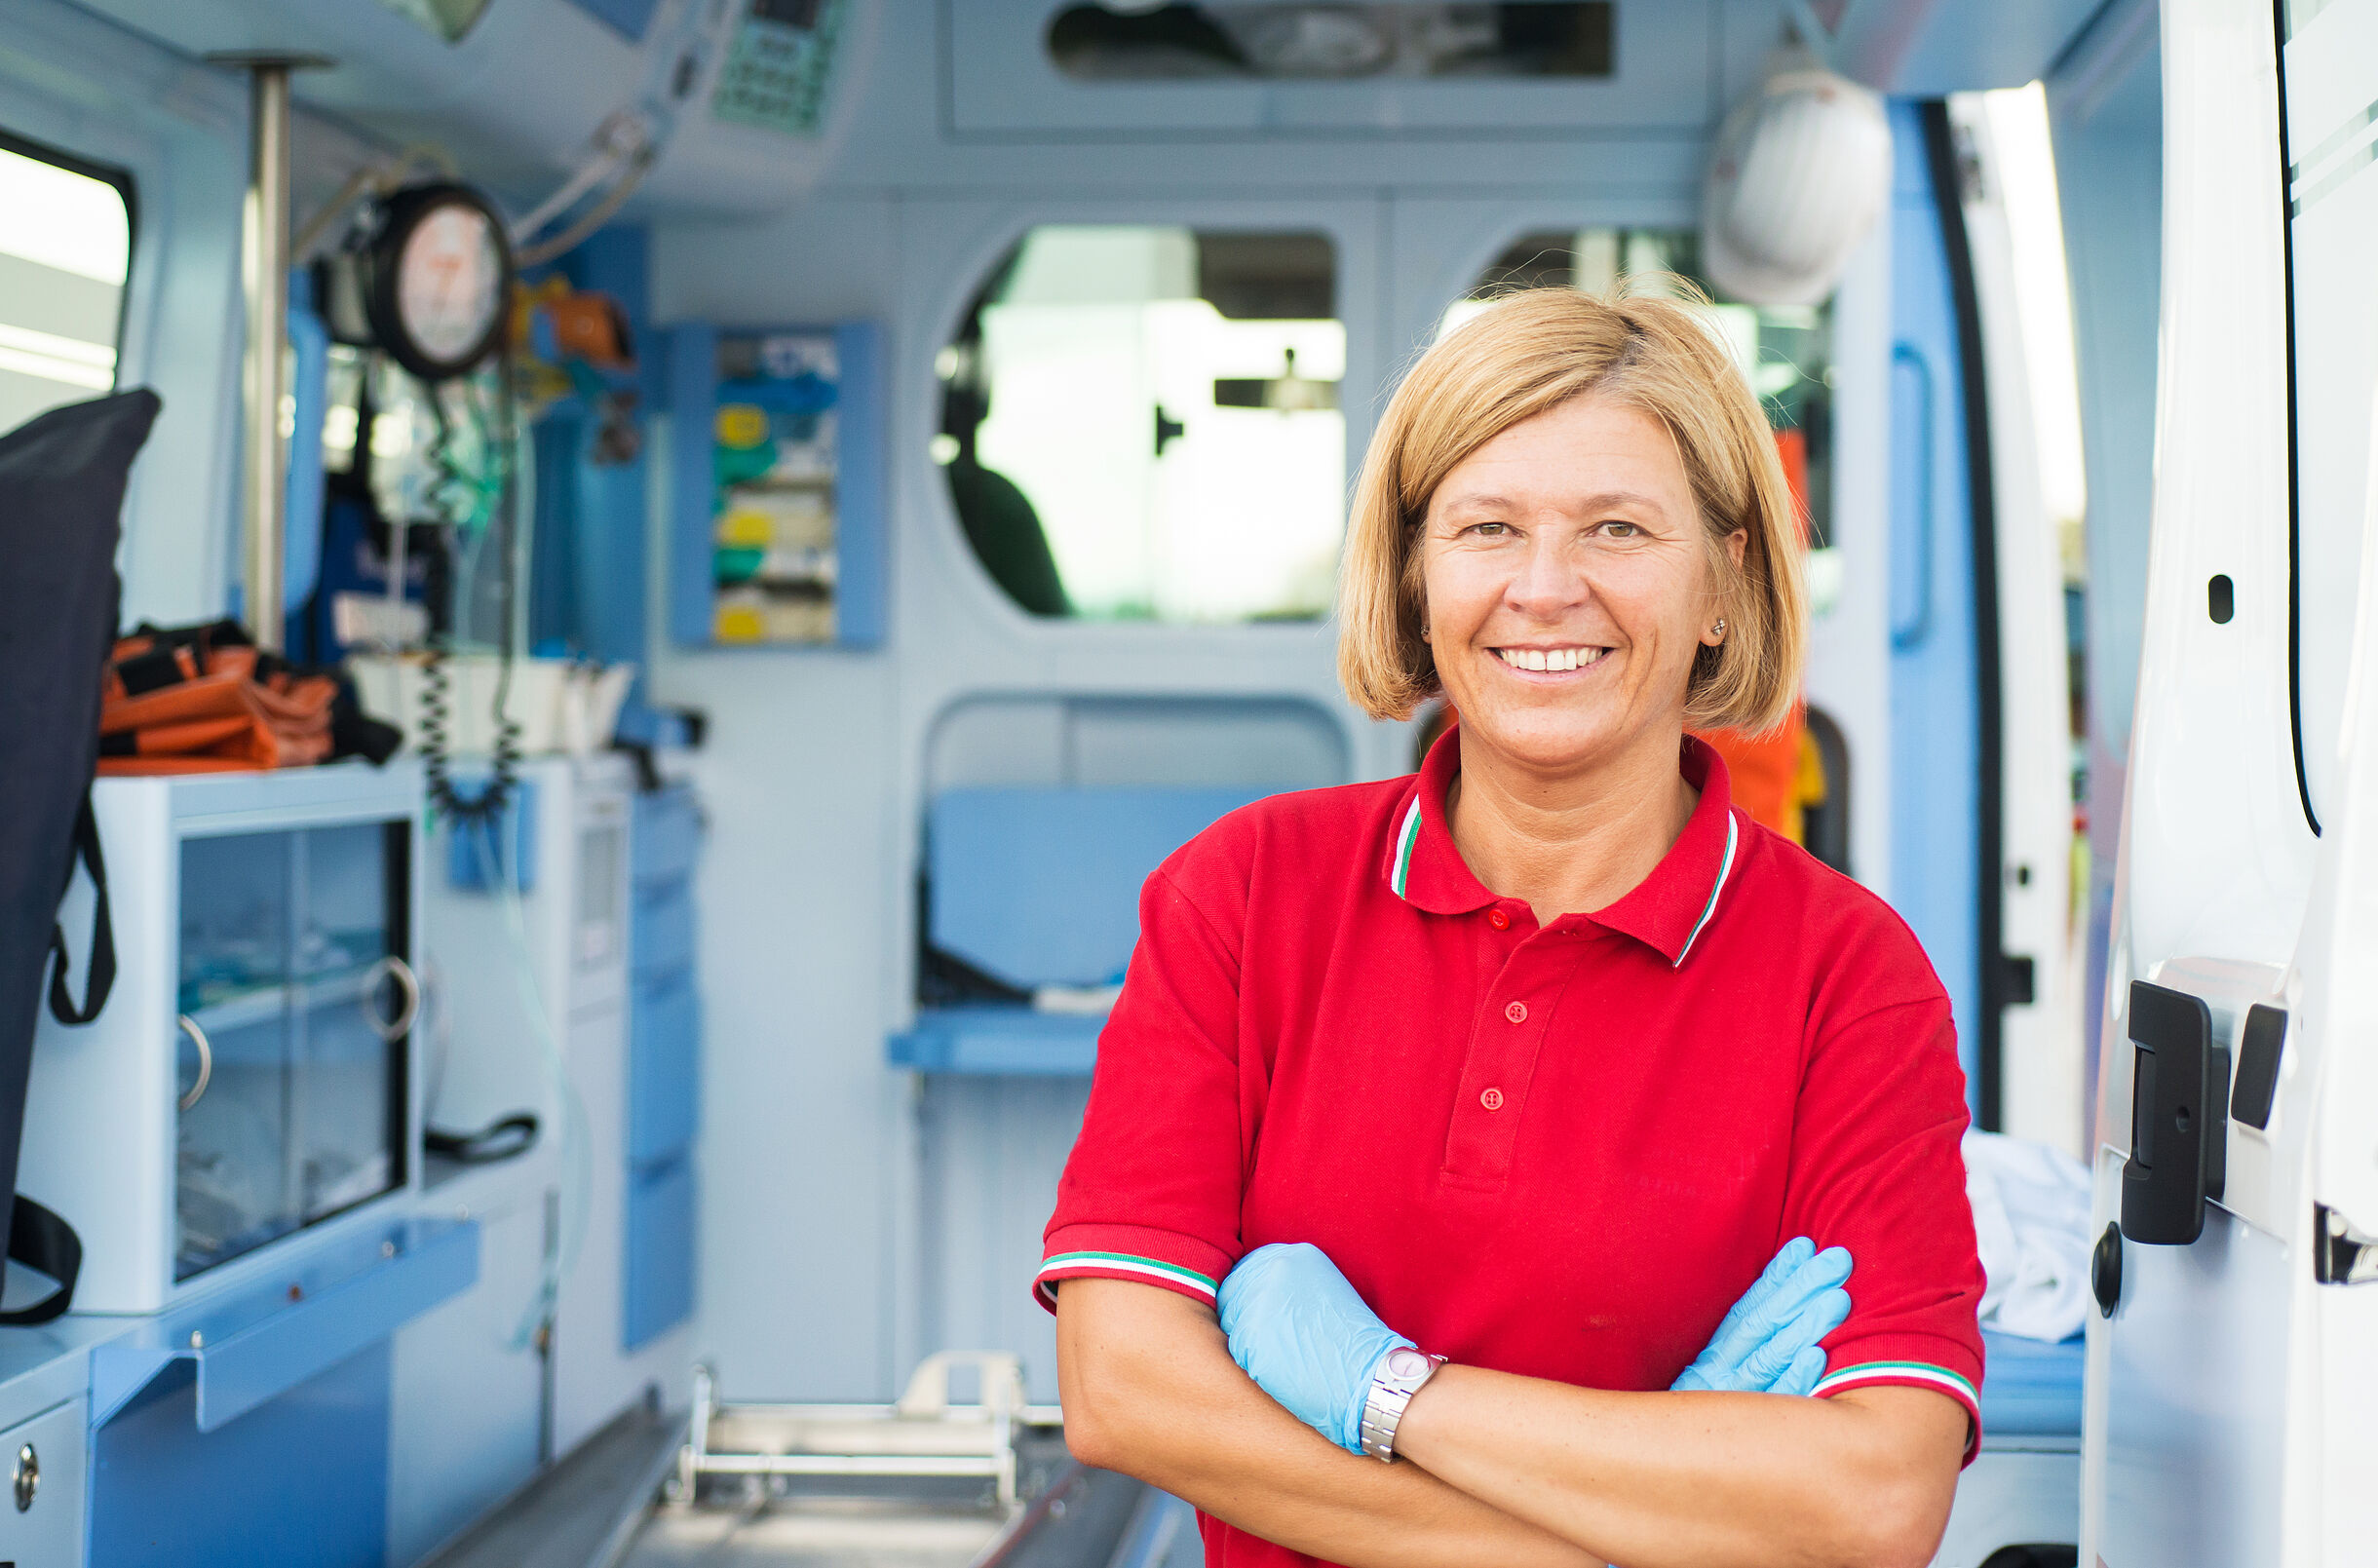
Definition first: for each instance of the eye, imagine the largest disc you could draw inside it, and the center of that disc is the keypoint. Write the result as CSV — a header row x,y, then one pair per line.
x,y
1618,528
1488,530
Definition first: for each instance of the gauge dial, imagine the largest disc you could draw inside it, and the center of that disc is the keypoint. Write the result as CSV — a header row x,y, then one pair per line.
x,y
450,281
441,279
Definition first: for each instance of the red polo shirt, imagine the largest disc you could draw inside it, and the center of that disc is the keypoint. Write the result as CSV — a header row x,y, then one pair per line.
x,y
1559,1151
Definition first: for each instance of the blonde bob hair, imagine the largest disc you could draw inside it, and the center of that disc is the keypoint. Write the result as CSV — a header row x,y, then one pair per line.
x,y
1527,353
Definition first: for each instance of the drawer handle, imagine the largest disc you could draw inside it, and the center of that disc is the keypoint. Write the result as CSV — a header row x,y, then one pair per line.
x,y
409,989
28,1476
198,1091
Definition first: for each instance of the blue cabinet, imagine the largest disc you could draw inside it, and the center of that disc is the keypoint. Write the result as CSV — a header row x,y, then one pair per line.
x,y
664,1066
659,1249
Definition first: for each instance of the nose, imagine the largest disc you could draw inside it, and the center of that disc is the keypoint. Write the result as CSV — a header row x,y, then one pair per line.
x,y
1550,579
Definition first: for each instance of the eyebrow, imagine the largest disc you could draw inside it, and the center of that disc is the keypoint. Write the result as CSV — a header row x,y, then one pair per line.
x,y
1607,501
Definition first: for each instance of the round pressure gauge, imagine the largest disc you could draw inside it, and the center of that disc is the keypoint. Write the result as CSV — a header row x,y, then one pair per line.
x,y
437,280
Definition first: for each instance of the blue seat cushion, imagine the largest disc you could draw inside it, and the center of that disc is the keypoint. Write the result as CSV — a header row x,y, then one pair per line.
x,y
2031,1389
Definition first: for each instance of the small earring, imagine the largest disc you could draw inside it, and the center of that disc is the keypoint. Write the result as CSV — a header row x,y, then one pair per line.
x,y
1719,630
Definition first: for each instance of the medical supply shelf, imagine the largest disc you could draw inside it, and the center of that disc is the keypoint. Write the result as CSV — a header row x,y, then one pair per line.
x,y
251,1077
235,1138
779,521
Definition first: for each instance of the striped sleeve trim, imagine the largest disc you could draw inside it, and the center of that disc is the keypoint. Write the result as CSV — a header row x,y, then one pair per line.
x,y
1117,1266
1898,1372
1875,1374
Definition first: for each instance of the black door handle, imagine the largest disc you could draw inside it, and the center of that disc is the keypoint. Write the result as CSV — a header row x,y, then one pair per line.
x,y
2179,1117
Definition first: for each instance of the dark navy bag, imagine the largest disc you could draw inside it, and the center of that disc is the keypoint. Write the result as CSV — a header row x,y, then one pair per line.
x,y
61,498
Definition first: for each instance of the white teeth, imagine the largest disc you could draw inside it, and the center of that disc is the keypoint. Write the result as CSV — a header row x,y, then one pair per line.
x,y
1549,659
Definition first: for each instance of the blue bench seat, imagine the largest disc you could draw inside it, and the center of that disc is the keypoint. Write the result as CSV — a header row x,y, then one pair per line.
x,y
2031,1389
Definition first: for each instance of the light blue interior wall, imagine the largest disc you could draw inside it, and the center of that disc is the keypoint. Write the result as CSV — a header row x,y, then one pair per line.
x,y
1936,737
2106,116
805,1136
856,1216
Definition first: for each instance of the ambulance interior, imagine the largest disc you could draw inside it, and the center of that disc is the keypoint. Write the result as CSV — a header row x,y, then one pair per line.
x,y
828,494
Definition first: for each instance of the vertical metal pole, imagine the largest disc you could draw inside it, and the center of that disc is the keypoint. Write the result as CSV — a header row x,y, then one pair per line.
x,y
264,276
264,260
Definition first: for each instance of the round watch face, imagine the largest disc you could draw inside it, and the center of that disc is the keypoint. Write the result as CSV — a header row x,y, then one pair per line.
x,y
1403,1362
450,281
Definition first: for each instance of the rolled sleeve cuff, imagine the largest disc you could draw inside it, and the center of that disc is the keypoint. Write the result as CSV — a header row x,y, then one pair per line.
x,y
1166,1258
1934,1364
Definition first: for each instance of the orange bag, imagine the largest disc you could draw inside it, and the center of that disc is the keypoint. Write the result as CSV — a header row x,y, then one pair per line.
x,y
206,700
1765,772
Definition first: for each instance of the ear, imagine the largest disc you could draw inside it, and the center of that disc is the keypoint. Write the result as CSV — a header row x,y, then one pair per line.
x,y
1737,543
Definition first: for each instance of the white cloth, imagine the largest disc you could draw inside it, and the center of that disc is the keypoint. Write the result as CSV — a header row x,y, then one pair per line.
x,y
2031,1220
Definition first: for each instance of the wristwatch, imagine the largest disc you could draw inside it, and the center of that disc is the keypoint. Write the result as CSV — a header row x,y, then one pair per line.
x,y
1402,1371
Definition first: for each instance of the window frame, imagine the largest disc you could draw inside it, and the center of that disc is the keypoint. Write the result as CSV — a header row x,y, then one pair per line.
x,y
985,265
126,188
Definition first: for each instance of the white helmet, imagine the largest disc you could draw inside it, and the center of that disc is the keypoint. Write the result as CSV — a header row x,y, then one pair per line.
x,y
1798,174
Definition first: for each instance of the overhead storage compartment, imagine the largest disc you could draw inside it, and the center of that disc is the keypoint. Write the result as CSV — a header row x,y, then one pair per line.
x,y
1068,67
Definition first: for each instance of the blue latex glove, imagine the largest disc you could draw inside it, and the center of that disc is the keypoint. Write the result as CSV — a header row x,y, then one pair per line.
x,y
1768,1343
1300,1330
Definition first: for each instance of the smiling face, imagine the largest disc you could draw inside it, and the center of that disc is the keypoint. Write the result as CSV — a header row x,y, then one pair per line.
x,y
1568,587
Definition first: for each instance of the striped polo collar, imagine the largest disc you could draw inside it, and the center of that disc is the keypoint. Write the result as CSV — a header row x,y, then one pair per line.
x,y
1667,910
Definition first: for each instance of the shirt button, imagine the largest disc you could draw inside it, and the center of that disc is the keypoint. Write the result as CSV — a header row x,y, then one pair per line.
x,y
1498,920
1492,1099
1516,1013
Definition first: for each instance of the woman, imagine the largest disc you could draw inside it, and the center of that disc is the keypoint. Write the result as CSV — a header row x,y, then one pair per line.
x,y
1369,1045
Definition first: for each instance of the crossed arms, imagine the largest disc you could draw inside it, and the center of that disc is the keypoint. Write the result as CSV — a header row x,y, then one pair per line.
x,y
1506,1471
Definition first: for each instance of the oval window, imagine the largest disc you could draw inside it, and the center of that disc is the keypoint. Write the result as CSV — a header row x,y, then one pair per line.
x,y
1142,424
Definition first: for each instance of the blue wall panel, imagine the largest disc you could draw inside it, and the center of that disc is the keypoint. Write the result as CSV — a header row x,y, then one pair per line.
x,y
664,1067
1041,887
301,1481
610,559
660,1252
1935,718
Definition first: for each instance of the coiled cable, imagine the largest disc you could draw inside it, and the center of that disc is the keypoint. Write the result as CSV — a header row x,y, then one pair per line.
x,y
468,498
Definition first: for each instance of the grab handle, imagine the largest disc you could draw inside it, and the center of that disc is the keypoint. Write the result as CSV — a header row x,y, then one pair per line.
x,y
409,989
206,1062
